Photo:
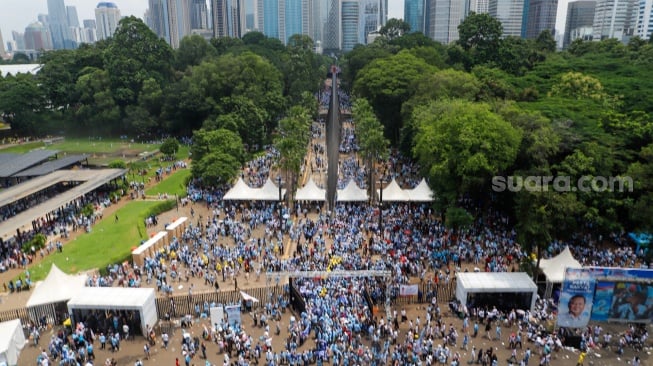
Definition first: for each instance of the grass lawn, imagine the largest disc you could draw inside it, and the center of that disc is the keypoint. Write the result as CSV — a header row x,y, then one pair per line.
x,y
108,242
174,184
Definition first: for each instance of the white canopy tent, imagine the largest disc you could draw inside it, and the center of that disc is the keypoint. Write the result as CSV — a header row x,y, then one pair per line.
x,y
554,269
12,341
352,193
239,192
49,297
393,193
505,290
269,192
141,300
421,193
310,192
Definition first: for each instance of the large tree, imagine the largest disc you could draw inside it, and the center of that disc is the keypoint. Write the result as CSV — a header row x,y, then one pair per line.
x,y
371,139
386,83
461,145
480,35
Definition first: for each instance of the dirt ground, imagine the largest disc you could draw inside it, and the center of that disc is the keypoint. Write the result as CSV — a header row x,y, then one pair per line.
x,y
132,350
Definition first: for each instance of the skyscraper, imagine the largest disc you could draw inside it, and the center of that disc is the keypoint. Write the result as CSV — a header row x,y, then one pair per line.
x,y
444,18
349,24
3,54
644,19
580,17
107,16
71,16
19,39
37,37
199,14
414,14
539,15
331,34
89,33
479,6
271,18
58,24
509,13
227,18
615,19
370,18
294,18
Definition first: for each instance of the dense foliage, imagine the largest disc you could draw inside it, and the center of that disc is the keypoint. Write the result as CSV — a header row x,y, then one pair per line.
x,y
481,107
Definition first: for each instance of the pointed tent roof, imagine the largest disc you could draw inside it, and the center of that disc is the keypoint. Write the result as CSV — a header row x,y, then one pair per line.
x,y
239,192
421,193
352,193
269,192
393,193
57,287
310,192
554,268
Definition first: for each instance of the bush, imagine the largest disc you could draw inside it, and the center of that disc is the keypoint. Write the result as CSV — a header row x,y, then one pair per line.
x,y
162,207
38,242
118,164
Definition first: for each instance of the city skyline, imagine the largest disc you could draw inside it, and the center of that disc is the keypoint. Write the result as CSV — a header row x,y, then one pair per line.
x,y
16,15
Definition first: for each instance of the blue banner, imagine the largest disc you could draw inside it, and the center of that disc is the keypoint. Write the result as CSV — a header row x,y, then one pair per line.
x,y
576,298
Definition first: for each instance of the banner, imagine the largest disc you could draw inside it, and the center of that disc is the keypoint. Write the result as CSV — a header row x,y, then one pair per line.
x,y
623,295
217,316
576,298
233,314
408,290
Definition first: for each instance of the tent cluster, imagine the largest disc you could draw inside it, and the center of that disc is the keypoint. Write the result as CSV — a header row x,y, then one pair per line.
x,y
311,192
242,192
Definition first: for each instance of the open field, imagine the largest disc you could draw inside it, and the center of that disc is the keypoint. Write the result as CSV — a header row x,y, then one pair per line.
x,y
110,241
175,184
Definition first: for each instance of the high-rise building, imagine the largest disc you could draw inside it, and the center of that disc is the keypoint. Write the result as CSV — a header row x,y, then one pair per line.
x,y
107,16
37,37
509,13
199,14
444,18
19,39
71,15
294,19
3,53
89,34
58,24
580,17
170,19
539,15
271,19
43,19
615,19
645,19
331,30
414,14
349,24
227,18
370,18
479,6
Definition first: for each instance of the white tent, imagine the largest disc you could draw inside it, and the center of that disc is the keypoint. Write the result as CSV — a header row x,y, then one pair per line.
x,y
351,193
248,297
141,300
393,193
421,193
554,269
12,341
310,192
56,289
514,289
269,192
239,192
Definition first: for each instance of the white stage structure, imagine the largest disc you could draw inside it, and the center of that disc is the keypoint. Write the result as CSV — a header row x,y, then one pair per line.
x,y
500,289
141,300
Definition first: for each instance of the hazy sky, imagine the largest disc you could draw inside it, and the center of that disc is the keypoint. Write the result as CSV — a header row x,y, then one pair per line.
x,y
17,14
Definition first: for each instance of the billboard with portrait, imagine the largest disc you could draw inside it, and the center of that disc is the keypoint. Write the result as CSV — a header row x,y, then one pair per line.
x,y
622,294
576,298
